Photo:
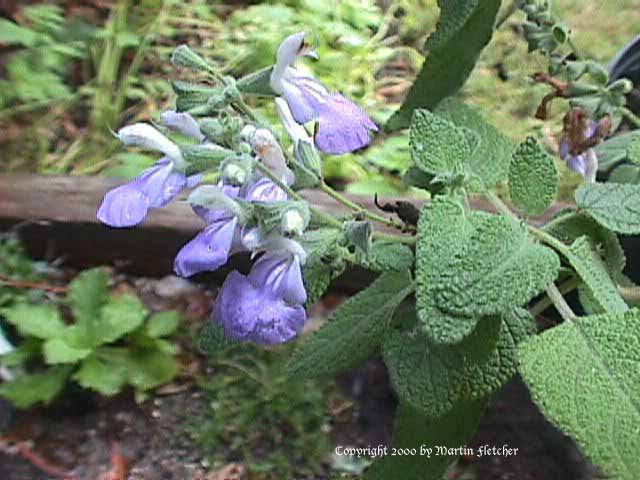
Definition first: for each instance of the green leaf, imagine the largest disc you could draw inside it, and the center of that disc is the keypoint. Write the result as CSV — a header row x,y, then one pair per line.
x,y
163,324
594,274
440,76
533,178
98,374
437,145
150,368
118,317
384,256
453,16
213,340
57,350
490,160
433,377
625,173
615,150
633,151
615,206
257,83
13,34
41,321
87,293
425,434
29,389
355,329
472,264
585,376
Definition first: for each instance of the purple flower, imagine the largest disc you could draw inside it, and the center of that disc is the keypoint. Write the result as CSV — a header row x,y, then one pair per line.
x,y
127,205
250,313
585,163
342,125
211,248
279,272
182,122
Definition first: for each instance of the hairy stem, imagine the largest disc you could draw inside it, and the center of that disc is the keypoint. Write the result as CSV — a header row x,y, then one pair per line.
x,y
546,302
630,116
560,303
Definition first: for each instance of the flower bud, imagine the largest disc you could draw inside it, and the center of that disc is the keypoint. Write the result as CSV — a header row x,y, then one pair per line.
x,y
288,218
293,223
204,156
213,198
236,171
623,85
183,56
359,234
212,129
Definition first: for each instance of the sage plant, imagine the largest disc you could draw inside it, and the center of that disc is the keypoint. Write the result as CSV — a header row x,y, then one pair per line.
x,y
458,289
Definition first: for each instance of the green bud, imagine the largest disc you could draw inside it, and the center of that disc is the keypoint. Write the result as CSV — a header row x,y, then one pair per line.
x,y
213,198
289,218
204,156
245,148
576,69
257,83
236,170
183,56
622,85
212,129
359,234
561,33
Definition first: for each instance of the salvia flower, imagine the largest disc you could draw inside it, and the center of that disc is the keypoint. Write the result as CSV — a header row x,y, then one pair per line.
x,y
183,123
343,126
128,205
576,149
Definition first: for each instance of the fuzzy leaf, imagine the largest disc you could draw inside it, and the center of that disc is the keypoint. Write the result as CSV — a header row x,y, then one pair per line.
x,y
257,83
433,377
323,261
453,15
388,256
40,321
355,329
490,160
615,206
533,178
29,389
437,145
593,273
162,324
440,76
413,430
585,376
101,376
213,340
615,150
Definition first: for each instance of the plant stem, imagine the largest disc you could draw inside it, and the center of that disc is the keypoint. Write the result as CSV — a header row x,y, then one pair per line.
x,y
630,294
546,302
394,238
560,303
629,115
357,208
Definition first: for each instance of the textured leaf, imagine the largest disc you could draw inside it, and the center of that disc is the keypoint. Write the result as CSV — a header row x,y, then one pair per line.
x,y
29,389
101,376
490,160
633,151
87,293
585,376
437,145
625,173
162,324
471,264
569,226
446,69
615,150
355,329
57,350
415,431
453,15
150,368
593,273
213,340
384,256
41,321
257,83
433,377
119,316
533,178
615,206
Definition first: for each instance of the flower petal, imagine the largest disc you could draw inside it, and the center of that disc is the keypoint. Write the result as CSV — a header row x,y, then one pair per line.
x,y
124,206
265,190
279,272
208,251
249,313
145,136
577,163
182,122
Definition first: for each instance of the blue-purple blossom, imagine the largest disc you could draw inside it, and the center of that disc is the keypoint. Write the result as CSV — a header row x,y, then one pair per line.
x,y
343,126
183,123
249,312
127,205
585,163
279,272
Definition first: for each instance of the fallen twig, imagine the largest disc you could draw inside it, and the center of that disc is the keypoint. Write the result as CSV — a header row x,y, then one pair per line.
x,y
24,449
35,285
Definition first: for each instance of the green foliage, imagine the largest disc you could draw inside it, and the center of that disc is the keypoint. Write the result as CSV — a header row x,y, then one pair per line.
x,y
437,146
533,178
433,377
440,77
584,375
615,150
472,264
355,329
414,430
614,206
453,16
324,262
490,160
254,412
111,342
384,256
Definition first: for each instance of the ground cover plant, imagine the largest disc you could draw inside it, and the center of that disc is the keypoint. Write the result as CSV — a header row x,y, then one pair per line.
x,y
452,309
